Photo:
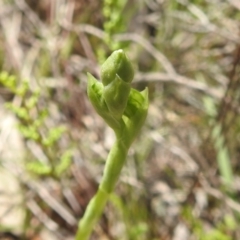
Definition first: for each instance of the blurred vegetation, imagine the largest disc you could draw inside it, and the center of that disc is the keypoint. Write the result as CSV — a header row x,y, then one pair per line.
x,y
181,179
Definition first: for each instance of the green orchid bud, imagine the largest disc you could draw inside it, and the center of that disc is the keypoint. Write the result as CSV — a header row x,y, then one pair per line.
x,y
135,113
95,90
117,74
116,96
95,94
117,64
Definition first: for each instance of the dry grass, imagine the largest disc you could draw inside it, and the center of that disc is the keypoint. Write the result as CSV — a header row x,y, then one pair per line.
x,y
173,187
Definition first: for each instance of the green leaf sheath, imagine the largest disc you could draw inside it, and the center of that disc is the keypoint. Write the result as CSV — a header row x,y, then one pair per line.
x,y
114,164
124,110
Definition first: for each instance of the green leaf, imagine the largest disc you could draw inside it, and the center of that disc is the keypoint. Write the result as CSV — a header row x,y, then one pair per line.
x,y
54,135
39,168
65,162
29,132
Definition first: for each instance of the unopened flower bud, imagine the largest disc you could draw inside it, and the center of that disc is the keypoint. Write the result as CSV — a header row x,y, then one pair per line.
x,y
117,74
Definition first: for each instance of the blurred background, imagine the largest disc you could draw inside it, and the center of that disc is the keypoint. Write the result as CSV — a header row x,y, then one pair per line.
x,y
181,180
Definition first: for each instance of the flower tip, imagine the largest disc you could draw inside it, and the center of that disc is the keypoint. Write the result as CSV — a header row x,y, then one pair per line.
x,y
94,87
119,51
91,79
144,93
117,64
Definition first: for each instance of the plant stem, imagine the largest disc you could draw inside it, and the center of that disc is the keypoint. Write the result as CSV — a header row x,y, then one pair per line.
x,y
113,167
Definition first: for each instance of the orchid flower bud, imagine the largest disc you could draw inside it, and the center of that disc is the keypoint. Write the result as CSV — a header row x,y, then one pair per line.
x,y
114,99
117,64
117,74
135,113
95,92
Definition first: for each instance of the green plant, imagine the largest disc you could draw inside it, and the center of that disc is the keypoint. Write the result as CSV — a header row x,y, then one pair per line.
x,y
124,109
114,23
221,231
32,118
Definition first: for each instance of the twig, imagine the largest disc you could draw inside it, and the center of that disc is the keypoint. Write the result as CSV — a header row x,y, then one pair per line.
x,y
52,202
164,77
219,195
32,16
123,37
83,28
149,47
42,217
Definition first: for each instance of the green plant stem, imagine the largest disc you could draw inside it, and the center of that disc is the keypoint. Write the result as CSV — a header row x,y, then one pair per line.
x,y
92,214
113,167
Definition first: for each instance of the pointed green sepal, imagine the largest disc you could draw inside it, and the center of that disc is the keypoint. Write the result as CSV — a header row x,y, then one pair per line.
x,y
116,95
135,113
95,93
